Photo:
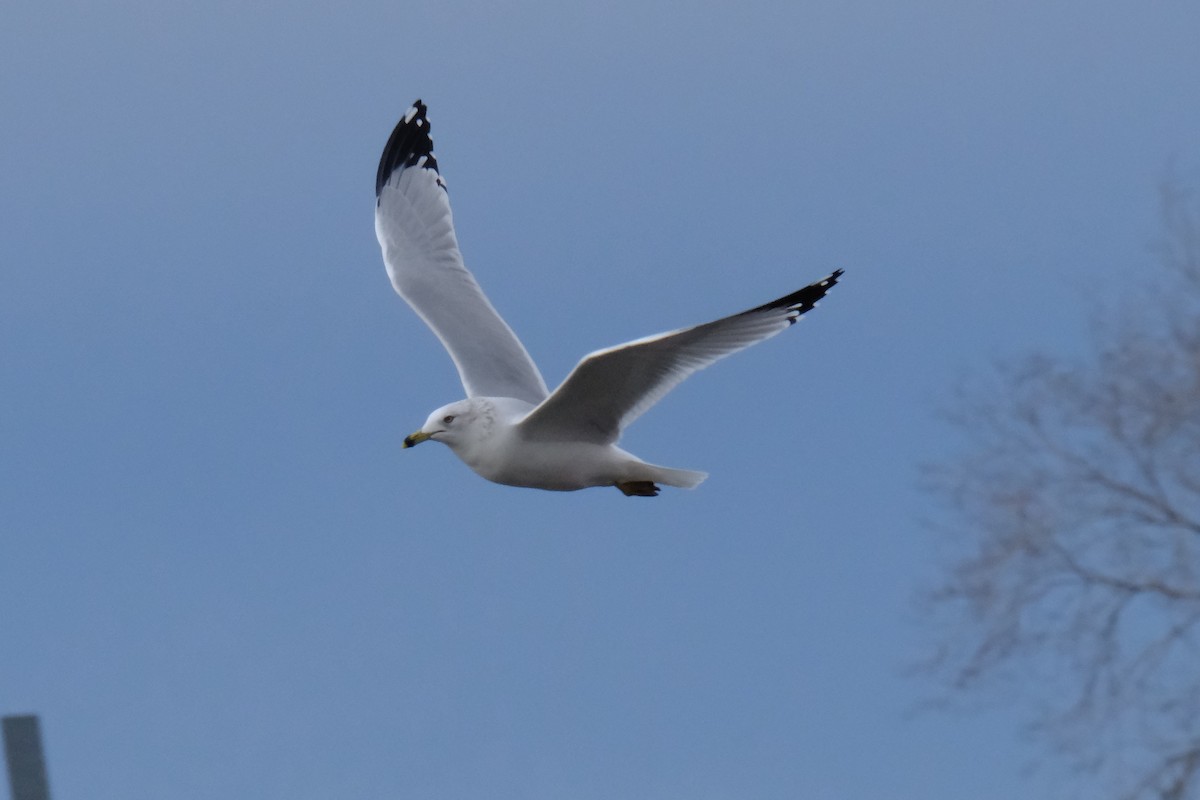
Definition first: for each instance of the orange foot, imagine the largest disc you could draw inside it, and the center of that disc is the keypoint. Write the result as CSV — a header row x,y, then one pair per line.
x,y
638,488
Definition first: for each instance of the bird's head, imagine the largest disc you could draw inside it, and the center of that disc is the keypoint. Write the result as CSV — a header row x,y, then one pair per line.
x,y
453,425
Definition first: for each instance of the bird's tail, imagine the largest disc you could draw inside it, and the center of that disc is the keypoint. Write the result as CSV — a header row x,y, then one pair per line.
x,y
681,478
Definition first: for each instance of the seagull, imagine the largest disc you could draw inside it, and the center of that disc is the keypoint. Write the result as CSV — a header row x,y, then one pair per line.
x,y
511,429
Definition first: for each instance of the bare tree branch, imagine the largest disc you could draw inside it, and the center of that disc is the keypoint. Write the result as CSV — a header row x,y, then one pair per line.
x,y
1074,508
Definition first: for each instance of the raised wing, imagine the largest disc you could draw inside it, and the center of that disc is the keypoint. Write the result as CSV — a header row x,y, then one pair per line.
x,y
416,231
611,388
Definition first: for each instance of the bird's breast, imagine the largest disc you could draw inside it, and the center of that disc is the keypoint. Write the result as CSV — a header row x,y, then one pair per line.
x,y
561,466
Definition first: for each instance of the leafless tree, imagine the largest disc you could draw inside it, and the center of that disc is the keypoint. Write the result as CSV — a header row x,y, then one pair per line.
x,y
1072,527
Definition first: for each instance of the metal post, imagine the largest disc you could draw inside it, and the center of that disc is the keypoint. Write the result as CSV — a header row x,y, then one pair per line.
x,y
26,765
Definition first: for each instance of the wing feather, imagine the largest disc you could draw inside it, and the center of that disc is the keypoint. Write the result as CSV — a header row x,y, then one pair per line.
x,y
416,232
611,388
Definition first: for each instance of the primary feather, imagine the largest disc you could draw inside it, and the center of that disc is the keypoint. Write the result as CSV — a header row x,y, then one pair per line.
x,y
416,231
611,388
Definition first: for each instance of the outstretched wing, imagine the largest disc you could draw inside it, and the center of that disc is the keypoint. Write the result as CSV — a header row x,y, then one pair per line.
x,y
611,388
416,231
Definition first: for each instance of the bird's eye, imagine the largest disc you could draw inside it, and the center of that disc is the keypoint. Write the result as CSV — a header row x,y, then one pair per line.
x,y
448,419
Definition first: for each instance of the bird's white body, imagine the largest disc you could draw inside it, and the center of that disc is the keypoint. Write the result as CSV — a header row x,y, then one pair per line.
x,y
486,434
511,429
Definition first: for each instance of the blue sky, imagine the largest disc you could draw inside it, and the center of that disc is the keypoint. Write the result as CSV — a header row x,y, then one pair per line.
x,y
220,574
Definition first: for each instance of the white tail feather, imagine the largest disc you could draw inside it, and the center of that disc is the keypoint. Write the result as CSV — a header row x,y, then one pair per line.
x,y
679,478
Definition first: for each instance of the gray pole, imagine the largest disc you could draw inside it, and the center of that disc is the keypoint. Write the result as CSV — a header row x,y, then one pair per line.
x,y
26,765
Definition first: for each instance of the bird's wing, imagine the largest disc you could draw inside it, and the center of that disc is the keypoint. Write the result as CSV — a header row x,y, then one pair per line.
x,y
416,231
611,388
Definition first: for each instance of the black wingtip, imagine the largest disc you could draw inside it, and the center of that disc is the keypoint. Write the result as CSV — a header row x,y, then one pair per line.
x,y
409,143
803,300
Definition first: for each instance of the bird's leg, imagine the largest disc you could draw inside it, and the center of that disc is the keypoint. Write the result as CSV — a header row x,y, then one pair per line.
x,y
638,488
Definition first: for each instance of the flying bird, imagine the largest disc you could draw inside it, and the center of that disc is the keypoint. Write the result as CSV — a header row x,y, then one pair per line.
x,y
510,429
